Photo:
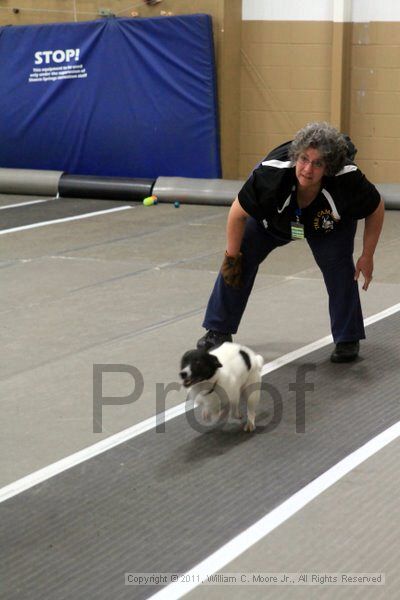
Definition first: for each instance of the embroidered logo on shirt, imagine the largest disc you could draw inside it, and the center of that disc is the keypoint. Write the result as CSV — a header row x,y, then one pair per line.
x,y
324,221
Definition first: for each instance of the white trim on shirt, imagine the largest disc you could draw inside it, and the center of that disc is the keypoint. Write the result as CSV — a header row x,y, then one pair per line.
x,y
278,164
347,169
332,204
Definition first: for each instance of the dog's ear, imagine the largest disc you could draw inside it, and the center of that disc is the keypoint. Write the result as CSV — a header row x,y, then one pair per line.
x,y
215,361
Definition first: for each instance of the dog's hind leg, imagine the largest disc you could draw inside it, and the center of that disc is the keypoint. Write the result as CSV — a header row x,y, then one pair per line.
x,y
234,407
252,394
251,413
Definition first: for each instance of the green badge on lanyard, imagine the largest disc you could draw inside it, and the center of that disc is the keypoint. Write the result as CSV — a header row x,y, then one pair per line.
x,y
297,228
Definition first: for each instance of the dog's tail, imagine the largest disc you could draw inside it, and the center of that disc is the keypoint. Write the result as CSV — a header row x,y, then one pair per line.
x,y
259,361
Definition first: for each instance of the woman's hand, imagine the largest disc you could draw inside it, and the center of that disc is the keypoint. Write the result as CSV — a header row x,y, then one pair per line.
x,y
364,266
372,231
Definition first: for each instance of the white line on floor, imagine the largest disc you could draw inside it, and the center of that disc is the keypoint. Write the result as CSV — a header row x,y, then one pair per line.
x,y
40,201
64,220
224,555
20,485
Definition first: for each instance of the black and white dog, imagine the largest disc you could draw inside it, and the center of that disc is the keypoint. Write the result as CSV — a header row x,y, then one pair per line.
x,y
217,380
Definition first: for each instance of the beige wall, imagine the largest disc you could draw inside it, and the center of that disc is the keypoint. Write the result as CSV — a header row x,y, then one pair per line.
x,y
226,15
375,99
285,82
346,73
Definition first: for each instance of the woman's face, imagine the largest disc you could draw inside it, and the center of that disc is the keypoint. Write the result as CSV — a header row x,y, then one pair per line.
x,y
310,168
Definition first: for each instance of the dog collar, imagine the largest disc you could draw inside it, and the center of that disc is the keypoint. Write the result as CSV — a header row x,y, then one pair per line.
x,y
212,389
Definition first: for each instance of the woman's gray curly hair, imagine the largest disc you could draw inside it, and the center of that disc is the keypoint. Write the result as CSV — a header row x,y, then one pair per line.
x,y
325,138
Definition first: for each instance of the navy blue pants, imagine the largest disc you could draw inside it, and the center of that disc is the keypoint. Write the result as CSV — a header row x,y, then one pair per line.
x,y
333,254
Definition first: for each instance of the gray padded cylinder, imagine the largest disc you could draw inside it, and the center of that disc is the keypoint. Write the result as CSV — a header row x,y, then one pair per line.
x,y
390,193
29,182
218,192
221,192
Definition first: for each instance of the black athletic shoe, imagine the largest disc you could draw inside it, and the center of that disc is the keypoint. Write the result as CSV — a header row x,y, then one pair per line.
x,y
345,352
212,339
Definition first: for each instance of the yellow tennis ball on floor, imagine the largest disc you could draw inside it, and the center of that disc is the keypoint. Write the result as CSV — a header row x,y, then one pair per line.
x,y
150,200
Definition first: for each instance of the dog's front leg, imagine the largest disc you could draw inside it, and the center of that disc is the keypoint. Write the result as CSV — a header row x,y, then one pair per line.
x,y
206,414
223,413
206,411
198,400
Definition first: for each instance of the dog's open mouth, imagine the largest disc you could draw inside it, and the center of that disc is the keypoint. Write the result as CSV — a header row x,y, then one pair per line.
x,y
188,382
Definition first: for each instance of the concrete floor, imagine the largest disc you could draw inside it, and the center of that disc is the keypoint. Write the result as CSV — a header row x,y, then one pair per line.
x,y
130,288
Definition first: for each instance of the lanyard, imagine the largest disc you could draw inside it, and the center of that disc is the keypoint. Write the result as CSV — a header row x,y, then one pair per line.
x,y
297,228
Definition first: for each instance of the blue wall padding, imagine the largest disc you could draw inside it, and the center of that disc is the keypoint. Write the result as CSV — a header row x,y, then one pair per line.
x,y
116,97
